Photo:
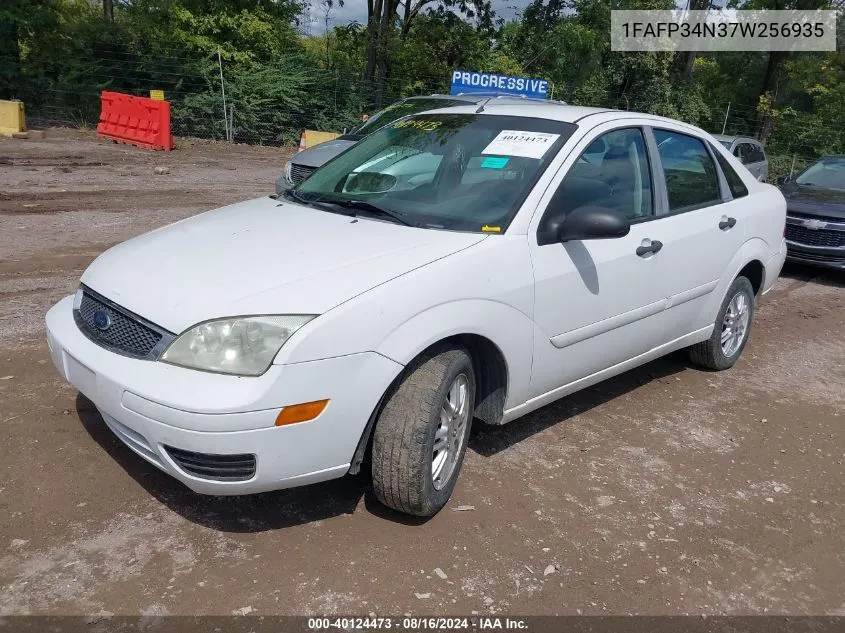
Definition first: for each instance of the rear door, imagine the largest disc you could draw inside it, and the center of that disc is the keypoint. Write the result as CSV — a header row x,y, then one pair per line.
x,y
702,228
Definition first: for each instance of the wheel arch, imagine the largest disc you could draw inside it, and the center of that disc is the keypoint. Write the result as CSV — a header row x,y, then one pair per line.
x,y
748,260
497,373
492,330
755,272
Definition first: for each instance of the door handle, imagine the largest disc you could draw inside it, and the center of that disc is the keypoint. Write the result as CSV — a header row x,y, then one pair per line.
x,y
653,247
727,223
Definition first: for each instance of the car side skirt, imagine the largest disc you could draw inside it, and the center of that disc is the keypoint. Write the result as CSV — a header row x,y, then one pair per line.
x,y
542,400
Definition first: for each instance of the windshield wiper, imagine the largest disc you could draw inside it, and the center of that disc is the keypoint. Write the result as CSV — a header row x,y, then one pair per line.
x,y
348,203
291,194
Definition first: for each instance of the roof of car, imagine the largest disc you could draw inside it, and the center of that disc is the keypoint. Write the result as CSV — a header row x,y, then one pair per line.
x,y
557,111
476,97
733,137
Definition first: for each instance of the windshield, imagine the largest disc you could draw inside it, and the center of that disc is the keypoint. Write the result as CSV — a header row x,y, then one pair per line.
x,y
727,144
400,109
466,172
828,173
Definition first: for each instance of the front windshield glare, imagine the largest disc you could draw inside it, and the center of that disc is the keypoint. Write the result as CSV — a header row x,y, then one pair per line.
x,y
401,109
828,173
454,171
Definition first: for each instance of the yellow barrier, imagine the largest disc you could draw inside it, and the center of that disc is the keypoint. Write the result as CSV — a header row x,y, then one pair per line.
x,y
310,138
12,119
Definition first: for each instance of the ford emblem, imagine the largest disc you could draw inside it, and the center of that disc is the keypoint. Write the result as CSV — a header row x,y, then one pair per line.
x,y
102,320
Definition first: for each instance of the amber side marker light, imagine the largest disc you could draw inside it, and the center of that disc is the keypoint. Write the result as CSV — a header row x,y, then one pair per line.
x,y
301,412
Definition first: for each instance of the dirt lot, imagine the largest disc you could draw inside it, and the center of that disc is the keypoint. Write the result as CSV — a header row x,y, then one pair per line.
x,y
666,490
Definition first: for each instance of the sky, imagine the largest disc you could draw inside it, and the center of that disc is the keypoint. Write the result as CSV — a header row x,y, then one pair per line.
x,y
356,10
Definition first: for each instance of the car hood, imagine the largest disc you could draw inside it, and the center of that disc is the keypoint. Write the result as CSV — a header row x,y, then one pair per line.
x,y
814,200
262,256
318,155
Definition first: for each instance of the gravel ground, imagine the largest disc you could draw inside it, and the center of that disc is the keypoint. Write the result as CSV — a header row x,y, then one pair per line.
x,y
667,490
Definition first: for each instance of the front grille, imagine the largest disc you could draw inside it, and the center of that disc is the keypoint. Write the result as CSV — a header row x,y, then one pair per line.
x,y
298,173
125,332
810,216
214,467
819,237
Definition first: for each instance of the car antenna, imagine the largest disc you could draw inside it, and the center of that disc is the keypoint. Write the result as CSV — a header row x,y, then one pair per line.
x,y
481,107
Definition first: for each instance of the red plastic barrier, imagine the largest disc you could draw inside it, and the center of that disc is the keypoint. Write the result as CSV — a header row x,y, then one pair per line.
x,y
135,120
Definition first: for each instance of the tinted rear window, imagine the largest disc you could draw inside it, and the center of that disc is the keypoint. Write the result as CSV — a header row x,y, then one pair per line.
x,y
735,184
691,179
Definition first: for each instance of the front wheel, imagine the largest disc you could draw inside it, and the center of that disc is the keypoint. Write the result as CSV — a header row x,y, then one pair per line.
x,y
421,434
730,334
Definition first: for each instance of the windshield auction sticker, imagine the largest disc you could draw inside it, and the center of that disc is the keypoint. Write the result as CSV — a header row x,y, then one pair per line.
x,y
519,143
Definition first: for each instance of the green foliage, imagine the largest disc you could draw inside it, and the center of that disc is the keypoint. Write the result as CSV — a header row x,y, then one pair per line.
x,y
784,165
58,55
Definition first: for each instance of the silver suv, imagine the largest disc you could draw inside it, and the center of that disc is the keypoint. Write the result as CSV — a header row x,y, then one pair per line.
x,y
750,153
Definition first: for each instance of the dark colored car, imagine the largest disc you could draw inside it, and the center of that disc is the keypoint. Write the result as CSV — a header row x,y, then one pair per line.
x,y
305,162
815,213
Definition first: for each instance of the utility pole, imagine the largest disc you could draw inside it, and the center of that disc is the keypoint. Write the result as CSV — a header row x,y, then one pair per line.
x,y
223,90
725,124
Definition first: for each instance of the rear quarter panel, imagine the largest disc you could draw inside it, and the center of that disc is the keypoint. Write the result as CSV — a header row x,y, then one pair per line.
x,y
763,216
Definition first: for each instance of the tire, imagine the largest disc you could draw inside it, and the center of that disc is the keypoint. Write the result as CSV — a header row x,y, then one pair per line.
x,y
711,353
403,454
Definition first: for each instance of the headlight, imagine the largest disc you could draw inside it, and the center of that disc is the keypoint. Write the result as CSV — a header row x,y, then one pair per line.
x,y
244,346
287,173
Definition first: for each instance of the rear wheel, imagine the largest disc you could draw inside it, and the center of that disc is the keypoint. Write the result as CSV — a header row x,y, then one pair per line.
x,y
421,434
730,334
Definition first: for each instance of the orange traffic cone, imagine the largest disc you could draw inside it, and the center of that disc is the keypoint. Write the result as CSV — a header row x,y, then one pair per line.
x,y
302,142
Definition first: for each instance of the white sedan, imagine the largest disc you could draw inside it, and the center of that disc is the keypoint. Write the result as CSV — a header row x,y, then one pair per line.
x,y
475,262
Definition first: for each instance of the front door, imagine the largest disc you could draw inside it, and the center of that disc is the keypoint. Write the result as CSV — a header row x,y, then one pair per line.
x,y
597,302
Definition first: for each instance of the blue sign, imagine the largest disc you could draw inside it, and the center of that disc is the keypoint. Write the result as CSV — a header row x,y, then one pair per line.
x,y
473,82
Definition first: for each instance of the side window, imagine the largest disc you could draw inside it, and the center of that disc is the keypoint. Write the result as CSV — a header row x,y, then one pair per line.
x,y
691,177
757,155
735,184
741,152
613,172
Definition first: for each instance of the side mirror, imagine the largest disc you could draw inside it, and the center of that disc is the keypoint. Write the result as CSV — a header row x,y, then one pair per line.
x,y
586,223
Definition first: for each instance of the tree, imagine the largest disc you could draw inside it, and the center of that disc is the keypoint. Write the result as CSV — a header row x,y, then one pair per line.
x,y
768,95
382,21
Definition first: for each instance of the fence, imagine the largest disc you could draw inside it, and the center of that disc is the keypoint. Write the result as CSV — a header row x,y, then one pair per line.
x,y
213,99
271,105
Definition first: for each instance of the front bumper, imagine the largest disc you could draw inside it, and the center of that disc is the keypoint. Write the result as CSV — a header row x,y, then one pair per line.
x,y
151,405
819,242
282,185
801,254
